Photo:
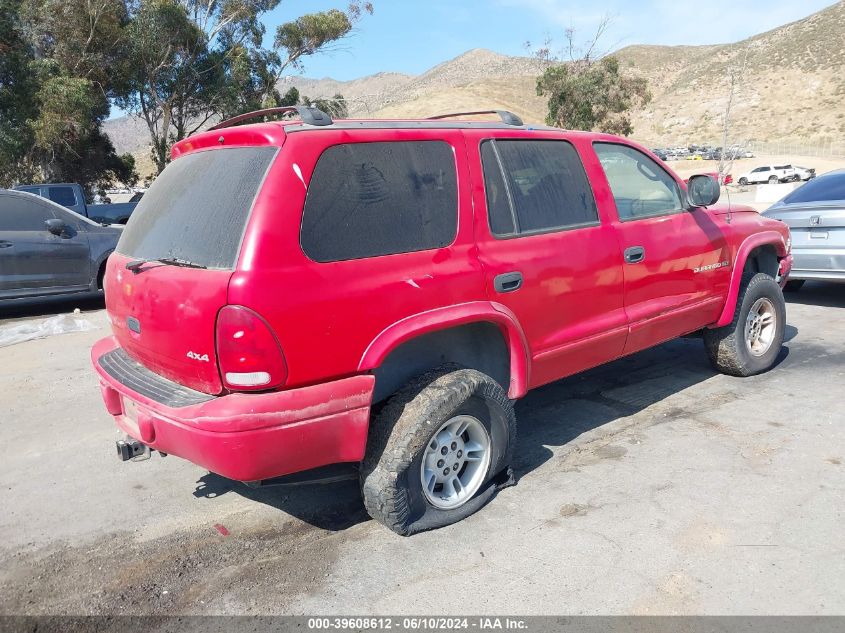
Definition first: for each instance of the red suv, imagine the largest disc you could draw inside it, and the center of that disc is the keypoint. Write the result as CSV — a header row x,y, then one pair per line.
x,y
295,294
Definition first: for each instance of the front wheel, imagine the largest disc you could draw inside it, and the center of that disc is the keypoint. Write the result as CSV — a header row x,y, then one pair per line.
x,y
743,181
438,450
751,343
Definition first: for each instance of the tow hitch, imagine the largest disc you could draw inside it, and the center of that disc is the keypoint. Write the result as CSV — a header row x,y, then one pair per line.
x,y
131,448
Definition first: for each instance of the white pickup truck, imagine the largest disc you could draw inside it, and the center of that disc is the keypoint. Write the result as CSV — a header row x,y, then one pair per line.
x,y
768,173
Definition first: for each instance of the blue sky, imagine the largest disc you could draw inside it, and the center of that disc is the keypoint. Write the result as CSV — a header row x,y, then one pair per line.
x,y
411,36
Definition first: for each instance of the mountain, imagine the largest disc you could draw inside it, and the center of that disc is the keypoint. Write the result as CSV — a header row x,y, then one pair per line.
x,y
791,88
476,74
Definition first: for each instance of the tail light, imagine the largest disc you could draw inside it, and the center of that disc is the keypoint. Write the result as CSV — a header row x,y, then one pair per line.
x,y
248,354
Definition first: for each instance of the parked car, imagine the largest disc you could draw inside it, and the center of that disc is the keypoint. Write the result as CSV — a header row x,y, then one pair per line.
x,y
815,214
71,196
804,173
47,250
724,179
771,174
380,292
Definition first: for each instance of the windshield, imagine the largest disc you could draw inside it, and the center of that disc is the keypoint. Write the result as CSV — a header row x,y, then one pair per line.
x,y
197,209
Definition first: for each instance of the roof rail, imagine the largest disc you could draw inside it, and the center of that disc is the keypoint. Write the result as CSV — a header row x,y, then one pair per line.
x,y
508,118
308,114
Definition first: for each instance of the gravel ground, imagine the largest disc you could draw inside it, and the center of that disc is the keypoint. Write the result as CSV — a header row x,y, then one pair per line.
x,y
649,486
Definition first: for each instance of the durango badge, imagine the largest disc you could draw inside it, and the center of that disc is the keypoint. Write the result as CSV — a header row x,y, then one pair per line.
x,y
702,269
195,356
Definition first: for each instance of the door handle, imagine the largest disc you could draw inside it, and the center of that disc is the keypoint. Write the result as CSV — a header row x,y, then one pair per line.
x,y
4,244
634,254
507,282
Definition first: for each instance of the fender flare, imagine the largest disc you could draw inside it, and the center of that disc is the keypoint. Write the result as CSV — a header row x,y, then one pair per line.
x,y
449,316
770,238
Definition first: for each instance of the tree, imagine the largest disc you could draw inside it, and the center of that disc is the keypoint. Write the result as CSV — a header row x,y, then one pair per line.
x,y
735,72
56,76
17,94
191,61
586,90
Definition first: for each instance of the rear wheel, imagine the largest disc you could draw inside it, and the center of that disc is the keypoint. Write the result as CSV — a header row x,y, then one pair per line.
x,y
773,180
751,342
101,275
793,285
438,450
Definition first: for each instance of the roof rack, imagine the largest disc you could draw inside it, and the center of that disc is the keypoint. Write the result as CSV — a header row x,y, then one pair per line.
x,y
308,114
508,118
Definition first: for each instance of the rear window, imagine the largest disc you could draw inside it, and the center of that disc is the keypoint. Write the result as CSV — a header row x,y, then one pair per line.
x,y
372,199
823,189
197,209
62,195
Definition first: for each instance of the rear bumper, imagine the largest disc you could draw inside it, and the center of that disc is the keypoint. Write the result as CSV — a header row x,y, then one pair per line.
x,y
819,264
248,437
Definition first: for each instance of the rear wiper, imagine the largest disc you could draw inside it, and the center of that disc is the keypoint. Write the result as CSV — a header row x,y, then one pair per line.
x,y
135,266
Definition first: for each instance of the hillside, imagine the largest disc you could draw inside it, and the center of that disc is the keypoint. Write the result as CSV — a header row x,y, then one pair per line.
x,y
792,88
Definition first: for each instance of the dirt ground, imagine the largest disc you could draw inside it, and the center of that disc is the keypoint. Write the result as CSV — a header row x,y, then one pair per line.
x,y
649,486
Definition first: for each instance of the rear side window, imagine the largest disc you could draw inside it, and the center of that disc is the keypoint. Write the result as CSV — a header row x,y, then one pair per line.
x,y
62,195
830,188
21,213
535,186
371,199
197,209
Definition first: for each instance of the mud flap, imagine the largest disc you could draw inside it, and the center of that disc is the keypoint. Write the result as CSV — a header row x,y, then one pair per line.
x,y
433,518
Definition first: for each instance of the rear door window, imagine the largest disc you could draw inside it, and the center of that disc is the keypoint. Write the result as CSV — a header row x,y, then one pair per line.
x,y
383,198
197,209
535,187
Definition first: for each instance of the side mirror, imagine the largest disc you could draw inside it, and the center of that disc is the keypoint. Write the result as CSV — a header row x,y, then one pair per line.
x,y
703,190
56,227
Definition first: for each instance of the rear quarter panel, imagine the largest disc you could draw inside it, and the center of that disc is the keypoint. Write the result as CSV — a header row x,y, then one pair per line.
x,y
325,315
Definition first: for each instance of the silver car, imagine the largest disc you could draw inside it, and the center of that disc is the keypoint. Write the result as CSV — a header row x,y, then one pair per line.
x,y
815,213
46,250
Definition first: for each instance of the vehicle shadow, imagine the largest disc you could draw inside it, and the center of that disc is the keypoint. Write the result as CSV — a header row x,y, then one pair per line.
x,y
33,309
552,416
548,418
332,506
817,293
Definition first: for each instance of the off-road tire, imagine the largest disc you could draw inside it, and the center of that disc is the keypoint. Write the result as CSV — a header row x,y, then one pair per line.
x,y
793,285
391,484
726,346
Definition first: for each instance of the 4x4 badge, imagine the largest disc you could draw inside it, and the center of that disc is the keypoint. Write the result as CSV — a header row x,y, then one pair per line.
x,y
195,356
